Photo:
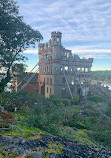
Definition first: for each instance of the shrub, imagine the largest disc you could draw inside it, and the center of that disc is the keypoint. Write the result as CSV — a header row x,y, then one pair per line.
x,y
75,99
6,119
11,100
95,99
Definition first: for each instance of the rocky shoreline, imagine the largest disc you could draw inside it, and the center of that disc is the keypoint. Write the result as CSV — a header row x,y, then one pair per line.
x,y
70,149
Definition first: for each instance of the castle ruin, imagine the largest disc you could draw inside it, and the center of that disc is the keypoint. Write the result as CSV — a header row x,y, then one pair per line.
x,y
64,73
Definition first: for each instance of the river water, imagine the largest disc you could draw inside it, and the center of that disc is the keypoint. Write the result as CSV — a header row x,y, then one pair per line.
x,y
106,84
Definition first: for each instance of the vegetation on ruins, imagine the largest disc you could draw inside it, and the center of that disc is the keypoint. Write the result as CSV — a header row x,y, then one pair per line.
x,y
88,123
15,36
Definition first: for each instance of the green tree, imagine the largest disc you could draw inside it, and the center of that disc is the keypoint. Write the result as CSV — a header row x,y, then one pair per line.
x,y
15,36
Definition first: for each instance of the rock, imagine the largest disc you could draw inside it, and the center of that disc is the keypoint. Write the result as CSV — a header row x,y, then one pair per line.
x,y
1,109
37,154
34,133
70,150
42,143
68,153
52,155
109,153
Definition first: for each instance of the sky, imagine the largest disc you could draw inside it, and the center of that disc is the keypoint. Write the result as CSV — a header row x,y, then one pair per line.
x,y
85,27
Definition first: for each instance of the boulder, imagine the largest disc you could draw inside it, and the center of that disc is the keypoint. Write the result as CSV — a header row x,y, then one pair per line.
x,y
68,153
37,154
1,109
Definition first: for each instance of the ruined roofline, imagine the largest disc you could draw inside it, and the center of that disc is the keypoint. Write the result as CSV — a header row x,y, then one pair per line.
x,y
83,59
56,33
56,41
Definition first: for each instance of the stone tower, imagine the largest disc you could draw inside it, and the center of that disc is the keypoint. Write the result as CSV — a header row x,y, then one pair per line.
x,y
51,79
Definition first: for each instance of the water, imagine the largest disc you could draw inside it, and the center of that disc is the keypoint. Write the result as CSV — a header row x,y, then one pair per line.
x,y
106,84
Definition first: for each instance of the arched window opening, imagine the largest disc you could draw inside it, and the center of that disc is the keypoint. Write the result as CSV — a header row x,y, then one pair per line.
x,y
64,80
50,80
47,80
50,90
72,82
82,69
57,39
71,69
47,69
86,69
67,55
66,68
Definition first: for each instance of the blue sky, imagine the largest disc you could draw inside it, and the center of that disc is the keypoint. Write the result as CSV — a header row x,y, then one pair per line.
x,y
85,27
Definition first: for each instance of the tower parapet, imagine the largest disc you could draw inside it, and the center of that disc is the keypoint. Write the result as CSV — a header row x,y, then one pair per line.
x,y
56,38
41,47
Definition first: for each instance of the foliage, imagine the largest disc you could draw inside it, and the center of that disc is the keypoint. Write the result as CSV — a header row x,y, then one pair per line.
x,y
75,99
95,99
59,101
18,70
6,119
15,36
108,112
19,100
5,154
83,123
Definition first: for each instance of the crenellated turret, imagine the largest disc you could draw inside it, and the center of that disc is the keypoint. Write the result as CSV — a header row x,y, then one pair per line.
x,y
56,38
41,47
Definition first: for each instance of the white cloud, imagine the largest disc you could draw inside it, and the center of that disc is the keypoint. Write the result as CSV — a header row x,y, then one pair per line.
x,y
85,24
96,54
98,51
30,51
77,19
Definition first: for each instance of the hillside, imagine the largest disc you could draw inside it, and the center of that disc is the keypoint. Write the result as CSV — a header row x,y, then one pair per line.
x,y
56,126
102,76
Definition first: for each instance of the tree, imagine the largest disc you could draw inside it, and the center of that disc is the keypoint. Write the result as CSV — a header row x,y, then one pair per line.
x,y
15,36
19,70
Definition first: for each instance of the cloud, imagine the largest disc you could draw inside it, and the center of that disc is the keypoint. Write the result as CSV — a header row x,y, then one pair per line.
x,y
96,54
30,51
104,56
76,19
85,24
98,51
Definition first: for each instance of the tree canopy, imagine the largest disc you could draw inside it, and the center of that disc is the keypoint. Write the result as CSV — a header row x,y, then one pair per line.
x,y
15,36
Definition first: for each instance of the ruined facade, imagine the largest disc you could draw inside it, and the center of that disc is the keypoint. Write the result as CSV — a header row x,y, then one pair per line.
x,y
32,86
62,72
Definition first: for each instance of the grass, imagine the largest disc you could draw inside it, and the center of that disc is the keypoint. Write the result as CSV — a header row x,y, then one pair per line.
x,y
54,147
27,132
85,124
75,135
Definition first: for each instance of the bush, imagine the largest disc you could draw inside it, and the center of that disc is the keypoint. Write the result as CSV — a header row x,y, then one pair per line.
x,y
6,119
108,112
22,99
75,99
59,101
95,99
